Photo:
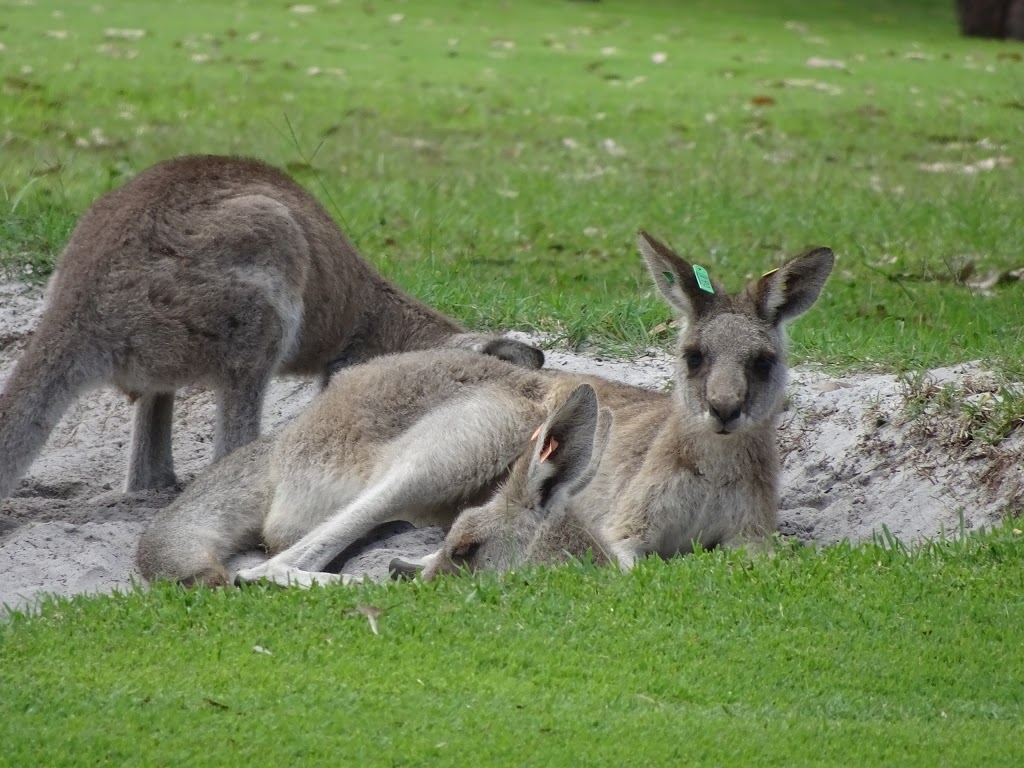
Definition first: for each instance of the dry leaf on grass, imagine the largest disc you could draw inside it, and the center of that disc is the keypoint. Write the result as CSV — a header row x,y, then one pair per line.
x,y
964,271
801,82
986,164
816,62
371,612
613,148
112,33
662,328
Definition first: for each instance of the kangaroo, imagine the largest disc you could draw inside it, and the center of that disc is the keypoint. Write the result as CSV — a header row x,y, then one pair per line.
x,y
424,435
533,518
220,271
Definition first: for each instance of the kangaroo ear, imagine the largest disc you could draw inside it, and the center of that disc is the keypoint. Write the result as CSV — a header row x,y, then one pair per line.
x,y
792,289
510,350
600,442
515,352
564,449
676,279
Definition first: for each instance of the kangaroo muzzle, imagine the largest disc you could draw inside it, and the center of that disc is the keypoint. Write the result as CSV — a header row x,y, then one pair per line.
x,y
403,570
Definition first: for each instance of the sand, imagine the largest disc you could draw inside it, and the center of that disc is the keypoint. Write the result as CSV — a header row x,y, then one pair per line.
x,y
855,459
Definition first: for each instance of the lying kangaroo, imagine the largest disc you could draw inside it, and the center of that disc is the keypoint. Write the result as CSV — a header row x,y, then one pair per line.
x,y
422,436
214,270
537,516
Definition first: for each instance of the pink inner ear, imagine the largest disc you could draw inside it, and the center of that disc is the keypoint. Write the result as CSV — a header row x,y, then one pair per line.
x,y
536,432
549,447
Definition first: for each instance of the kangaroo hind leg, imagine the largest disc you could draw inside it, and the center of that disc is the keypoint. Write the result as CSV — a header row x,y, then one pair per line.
x,y
242,386
442,463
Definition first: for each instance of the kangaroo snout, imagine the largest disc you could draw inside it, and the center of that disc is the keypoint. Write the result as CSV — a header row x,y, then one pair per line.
x,y
727,415
726,393
402,570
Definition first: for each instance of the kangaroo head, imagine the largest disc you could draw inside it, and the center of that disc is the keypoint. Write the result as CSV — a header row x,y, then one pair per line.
x,y
731,368
563,457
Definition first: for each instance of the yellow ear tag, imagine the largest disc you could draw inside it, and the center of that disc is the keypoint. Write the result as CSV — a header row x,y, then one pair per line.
x,y
549,448
770,272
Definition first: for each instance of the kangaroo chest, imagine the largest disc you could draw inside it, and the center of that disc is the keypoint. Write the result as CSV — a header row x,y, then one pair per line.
x,y
669,500
694,509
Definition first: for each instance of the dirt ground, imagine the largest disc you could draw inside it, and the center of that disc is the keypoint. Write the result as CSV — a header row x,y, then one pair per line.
x,y
859,452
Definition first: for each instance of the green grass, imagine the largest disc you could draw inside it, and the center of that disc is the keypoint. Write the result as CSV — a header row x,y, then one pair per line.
x,y
496,159
980,411
465,147
849,656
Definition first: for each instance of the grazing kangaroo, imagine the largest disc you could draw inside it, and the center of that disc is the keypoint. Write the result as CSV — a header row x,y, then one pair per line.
x,y
214,270
422,436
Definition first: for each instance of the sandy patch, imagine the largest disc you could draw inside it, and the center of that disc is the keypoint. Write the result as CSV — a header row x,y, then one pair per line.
x,y
854,460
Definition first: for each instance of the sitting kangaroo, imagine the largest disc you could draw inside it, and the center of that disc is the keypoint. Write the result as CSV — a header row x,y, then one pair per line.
x,y
422,436
213,270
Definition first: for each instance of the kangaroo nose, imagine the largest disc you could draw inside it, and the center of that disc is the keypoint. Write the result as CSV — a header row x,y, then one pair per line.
x,y
725,413
402,570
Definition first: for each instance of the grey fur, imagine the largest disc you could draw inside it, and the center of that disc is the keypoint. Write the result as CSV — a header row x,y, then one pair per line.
x,y
532,518
423,436
220,271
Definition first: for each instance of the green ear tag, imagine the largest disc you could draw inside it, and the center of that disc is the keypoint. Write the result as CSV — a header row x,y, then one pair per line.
x,y
702,278
668,277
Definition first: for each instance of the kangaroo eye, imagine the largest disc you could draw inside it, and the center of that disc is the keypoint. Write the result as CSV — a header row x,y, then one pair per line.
x,y
465,552
694,359
762,366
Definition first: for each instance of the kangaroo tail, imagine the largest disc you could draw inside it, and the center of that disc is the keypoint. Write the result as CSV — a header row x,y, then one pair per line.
x,y
52,372
219,515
